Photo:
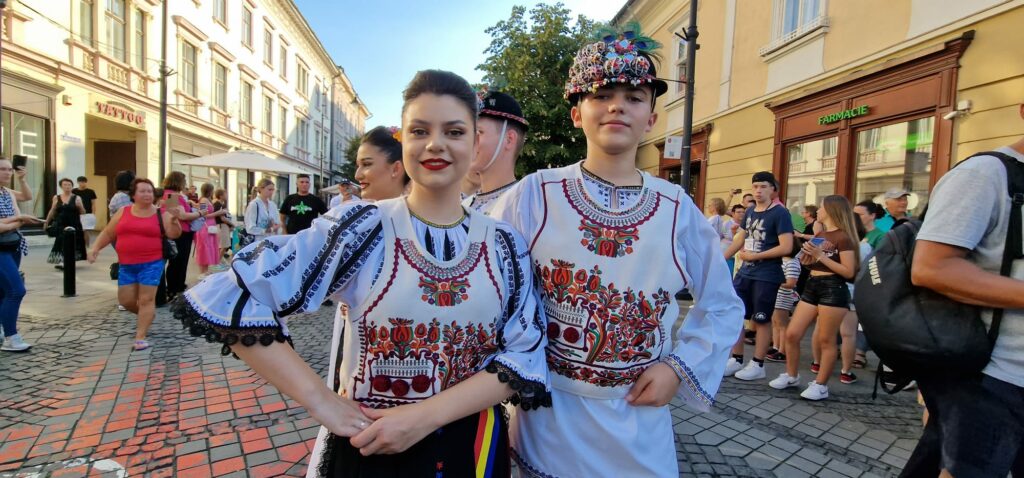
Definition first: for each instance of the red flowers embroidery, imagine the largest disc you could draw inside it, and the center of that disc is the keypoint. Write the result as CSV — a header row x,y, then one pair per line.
x,y
608,242
444,293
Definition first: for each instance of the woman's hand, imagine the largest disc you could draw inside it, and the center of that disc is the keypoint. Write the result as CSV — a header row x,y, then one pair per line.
x,y
28,219
342,416
394,430
20,172
655,387
812,251
91,256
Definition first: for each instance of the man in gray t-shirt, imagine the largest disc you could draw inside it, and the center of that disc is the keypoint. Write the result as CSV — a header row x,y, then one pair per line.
x,y
976,424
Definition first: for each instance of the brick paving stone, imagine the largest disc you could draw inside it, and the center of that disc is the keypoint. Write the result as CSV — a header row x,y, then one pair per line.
x,y
687,428
760,461
733,448
709,437
872,443
786,470
775,452
865,450
225,452
844,433
749,440
812,456
836,440
843,468
724,431
259,458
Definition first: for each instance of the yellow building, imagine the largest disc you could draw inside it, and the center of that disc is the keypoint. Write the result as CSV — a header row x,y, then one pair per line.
x,y
836,97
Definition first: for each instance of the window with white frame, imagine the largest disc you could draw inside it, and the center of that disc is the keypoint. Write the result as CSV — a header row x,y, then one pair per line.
x,y
792,19
302,125
189,54
680,64
302,80
220,11
268,114
245,108
116,26
268,45
139,28
283,119
220,87
284,60
86,12
247,27
319,140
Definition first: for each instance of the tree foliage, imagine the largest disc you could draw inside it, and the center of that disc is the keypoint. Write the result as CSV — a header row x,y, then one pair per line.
x,y
348,168
529,58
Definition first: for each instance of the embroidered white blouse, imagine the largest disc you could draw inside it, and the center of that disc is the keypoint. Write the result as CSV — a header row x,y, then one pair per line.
x,y
343,255
609,261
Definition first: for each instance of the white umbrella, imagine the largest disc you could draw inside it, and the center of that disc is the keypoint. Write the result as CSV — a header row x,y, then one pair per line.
x,y
250,160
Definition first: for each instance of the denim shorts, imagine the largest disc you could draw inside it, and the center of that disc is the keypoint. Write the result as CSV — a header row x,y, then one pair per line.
x,y
147,273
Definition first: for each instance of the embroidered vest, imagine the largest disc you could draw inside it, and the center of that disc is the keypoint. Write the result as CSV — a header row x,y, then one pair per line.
x,y
426,324
608,279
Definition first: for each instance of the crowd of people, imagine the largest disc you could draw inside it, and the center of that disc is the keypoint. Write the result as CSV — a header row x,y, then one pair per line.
x,y
463,287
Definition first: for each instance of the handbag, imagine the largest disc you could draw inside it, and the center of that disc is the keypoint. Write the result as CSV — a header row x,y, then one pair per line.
x,y
170,248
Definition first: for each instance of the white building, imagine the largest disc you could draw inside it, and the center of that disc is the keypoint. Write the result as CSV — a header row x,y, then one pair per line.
x,y
81,91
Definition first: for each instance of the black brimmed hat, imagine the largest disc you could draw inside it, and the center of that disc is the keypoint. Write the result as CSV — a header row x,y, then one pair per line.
x,y
502,106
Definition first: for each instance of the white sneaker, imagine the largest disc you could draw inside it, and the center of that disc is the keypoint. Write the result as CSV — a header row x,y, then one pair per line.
x,y
121,308
732,366
753,371
14,343
815,391
784,381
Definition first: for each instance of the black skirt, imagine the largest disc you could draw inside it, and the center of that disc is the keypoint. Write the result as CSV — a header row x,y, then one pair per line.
x,y
473,446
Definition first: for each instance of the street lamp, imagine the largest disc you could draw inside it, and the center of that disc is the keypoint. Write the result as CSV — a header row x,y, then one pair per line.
x,y
690,36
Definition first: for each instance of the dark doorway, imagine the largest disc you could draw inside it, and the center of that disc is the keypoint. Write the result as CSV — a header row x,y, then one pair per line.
x,y
111,157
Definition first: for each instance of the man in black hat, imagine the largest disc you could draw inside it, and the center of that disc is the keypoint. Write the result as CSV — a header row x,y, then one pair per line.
x,y
764,236
501,131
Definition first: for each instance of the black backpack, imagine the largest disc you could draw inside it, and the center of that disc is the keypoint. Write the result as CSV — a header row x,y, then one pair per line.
x,y
917,332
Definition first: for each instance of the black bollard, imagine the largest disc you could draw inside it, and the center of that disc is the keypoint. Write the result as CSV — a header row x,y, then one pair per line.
x,y
69,262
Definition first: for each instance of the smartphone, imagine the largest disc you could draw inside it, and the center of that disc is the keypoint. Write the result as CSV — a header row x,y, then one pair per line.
x,y
817,241
19,161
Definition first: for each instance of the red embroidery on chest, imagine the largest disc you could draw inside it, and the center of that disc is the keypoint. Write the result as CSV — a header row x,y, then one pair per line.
x,y
605,232
406,363
608,242
597,333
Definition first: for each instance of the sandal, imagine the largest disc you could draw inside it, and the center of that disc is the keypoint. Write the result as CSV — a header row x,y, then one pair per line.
x,y
140,345
860,361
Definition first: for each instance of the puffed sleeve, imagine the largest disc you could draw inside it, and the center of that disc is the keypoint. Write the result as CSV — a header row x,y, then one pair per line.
x,y
520,360
713,324
522,206
279,276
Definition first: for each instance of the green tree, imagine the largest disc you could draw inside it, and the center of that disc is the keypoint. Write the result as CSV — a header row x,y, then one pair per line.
x,y
529,58
348,168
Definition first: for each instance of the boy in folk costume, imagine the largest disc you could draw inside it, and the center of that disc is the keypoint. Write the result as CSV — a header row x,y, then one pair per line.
x,y
501,134
610,247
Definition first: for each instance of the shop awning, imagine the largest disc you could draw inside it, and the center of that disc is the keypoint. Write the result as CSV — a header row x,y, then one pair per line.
x,y
245,160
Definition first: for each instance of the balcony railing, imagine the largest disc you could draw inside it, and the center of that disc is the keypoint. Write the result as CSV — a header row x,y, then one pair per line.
x,y
798,167
118,75
219,118
828,164
246,128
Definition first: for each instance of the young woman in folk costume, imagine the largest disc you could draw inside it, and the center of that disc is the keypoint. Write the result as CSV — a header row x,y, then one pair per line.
x,y
435,341
611,247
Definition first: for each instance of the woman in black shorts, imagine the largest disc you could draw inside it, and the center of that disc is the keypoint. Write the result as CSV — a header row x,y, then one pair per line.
x,y
832,256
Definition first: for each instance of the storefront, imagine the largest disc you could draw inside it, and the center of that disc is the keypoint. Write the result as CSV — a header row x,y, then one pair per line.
x,y
26,129
882,128
671,169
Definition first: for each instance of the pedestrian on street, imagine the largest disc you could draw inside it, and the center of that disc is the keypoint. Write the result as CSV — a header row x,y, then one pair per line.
x,y
764,237
177,268
418,391
785,303
833,257
225,223
975,425
379,169
66,211
88,196
139,244
722,223
501,128
12,247
298,210
207,240
810,217
261,217
896,202
869,213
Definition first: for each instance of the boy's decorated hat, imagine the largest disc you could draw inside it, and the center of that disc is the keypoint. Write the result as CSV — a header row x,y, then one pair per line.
x,y
501,106
619,56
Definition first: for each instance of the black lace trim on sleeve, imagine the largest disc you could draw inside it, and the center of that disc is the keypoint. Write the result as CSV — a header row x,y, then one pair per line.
x,y
529,395
228,336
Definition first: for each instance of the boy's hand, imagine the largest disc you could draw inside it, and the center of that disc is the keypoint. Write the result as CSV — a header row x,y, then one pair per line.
x,y
746,256
655,387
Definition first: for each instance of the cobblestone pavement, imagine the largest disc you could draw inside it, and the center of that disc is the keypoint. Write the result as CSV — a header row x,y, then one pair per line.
x,y
82,404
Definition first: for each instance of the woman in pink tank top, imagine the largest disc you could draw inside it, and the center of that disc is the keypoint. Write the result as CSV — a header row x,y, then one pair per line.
x,y
137,229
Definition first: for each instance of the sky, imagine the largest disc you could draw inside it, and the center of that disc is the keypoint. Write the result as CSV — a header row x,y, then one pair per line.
x,y
381,44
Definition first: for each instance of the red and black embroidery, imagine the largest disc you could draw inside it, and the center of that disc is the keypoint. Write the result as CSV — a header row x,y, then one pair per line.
x,y
444,293
442,286
606,232
597,327
407,362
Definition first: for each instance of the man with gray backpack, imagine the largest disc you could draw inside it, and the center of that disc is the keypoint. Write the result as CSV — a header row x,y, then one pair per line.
x,y
964,313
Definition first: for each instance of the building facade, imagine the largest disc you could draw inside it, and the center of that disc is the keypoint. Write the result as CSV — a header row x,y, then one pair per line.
x,y
81,91
849,98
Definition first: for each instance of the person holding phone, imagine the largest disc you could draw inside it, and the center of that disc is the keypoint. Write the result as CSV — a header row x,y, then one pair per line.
x,y
24,192
832,256
12,247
